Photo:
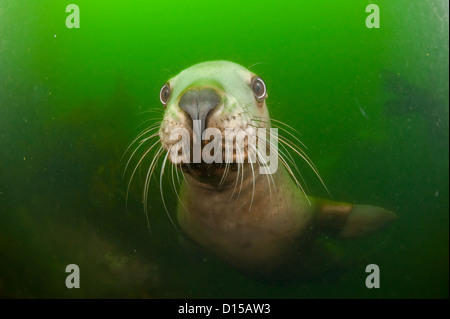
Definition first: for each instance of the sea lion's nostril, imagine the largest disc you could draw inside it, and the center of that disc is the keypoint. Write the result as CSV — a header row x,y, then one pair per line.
x,y
198,103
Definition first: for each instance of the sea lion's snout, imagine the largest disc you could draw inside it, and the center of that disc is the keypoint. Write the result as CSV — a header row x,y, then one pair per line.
x,y
198,103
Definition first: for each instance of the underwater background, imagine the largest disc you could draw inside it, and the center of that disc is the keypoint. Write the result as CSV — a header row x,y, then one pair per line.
x,y
372,106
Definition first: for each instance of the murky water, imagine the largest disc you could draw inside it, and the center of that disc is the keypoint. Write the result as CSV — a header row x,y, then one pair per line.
x,y
372,106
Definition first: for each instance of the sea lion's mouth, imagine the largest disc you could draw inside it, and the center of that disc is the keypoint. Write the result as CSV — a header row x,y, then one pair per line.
x,y
218,167
205,170
219,173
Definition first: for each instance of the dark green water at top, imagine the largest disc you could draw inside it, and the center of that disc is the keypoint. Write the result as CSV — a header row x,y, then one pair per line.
x,y
372,106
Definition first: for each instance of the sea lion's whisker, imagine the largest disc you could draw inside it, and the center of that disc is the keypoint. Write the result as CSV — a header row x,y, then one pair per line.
x,y
261,119
152,167
224,175
161,190
155,110
147,180
269,181
298,150
237,180
295,137
254,125
286,165
309,162
305,156
242,175
255,64
219,186
140,144
293,176
184,176
176,173
155,121
259,155
137,148
250,153
267,175
297,147
214,161
134,171
142,141
292,162
189,168
175,186
145,131
246,106
253,186
287,125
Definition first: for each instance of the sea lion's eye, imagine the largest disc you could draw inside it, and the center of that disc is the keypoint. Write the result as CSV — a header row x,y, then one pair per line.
x,y
164,94
259,88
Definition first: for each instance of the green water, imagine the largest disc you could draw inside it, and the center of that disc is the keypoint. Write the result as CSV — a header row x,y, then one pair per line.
x,y
372,106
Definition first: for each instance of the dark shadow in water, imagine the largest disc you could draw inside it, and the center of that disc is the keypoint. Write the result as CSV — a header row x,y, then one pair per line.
x,y
405,98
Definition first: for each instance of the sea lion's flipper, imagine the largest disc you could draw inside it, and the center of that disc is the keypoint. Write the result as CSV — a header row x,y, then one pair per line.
x,y
365,219
345,220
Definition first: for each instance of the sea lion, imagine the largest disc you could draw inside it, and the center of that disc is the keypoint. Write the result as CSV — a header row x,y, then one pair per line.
x,y
254,221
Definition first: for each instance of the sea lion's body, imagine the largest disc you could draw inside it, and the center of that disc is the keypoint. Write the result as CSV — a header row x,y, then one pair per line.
x,y
259,224
257,238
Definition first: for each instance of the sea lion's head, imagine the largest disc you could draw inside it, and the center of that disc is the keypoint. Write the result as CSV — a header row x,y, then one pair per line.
x,y
217,94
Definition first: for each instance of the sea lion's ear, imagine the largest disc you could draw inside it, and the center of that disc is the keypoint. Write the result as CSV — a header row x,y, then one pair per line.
x,y
344,220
